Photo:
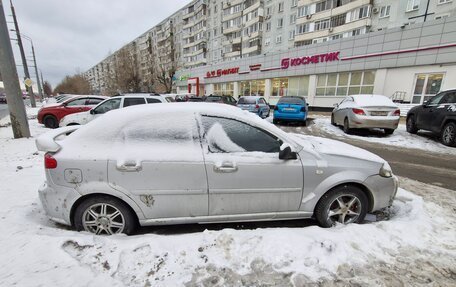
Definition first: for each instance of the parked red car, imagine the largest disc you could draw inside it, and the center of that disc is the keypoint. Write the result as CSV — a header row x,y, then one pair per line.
x,y
50,115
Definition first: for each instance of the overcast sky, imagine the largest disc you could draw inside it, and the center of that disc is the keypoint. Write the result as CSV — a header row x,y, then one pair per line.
x,y
74,35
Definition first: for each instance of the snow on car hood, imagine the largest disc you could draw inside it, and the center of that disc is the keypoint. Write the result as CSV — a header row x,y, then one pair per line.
x,y
334,147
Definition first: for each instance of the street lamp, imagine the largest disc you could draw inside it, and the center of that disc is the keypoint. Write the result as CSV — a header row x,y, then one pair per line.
x,y
40,89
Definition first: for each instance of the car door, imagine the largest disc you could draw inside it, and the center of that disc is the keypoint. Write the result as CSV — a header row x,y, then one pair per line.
x,y
425,117
102,108
442,110
264,107
340,110
244,172
74,106
161,166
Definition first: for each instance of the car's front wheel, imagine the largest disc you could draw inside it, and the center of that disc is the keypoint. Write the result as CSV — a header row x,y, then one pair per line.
x,y
344,204
104,215
411,125
448,136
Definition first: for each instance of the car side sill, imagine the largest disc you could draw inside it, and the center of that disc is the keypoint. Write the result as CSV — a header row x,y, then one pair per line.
x,y
270,216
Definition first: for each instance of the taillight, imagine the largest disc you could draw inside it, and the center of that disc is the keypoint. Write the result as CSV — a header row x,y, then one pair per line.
x,y
49,161
397,113
257,106
303,109
359,112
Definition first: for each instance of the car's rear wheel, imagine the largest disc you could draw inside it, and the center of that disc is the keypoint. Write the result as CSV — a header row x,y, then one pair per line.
x,y
411,125
304,123
389,131
448,136
347,128
104,215
50,122
344,204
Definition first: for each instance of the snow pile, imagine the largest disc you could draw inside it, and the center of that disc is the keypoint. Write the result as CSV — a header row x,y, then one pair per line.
x,y
37,252
400,137
31,114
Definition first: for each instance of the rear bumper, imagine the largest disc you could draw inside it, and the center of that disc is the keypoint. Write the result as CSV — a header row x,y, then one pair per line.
x,y
374,122
57,203
301,116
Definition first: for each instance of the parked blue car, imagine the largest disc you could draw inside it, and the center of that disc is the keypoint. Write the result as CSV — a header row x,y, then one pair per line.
x,y
254,104
290,109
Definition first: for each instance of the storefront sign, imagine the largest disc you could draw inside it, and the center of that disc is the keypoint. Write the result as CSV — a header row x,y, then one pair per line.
x,y
315,59
222,72
184,77
255,67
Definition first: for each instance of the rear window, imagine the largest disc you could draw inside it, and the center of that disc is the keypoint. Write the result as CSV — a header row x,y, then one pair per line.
x,y
247,101
290,100
213,99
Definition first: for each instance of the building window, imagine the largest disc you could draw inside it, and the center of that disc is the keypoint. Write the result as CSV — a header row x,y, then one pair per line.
x,y
323,6
268,11
303,11
302,28
298,86
363,12
444,1
267,41
292,18
426,86
356,32
224,89
291,35
281,7
279,39
279,87
321,25
268,26
252,88
344,84
442,16
385,11
412,5
280,23
294,3
338,20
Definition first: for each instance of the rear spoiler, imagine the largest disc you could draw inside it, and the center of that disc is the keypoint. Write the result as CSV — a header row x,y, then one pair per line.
x,y
46,142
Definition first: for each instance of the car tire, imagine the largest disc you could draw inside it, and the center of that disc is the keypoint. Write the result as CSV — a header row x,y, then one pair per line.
x,y
411,125
346,126
304,123
51,122
448,135
348,203
274,121
332,120
389,131
123,222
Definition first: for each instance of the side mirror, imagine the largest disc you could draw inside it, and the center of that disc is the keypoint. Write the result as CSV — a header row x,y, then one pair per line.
x,y
92,112
287,154
336,105
425,103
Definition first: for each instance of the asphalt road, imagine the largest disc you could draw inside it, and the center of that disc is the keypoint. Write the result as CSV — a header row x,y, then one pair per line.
x,y
424,166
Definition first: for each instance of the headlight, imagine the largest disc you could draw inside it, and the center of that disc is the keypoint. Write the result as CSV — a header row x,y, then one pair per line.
x,y
385,170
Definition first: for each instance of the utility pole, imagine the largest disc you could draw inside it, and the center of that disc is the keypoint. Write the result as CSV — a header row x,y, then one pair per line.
x,y
38,83
8,70
24,60
42,83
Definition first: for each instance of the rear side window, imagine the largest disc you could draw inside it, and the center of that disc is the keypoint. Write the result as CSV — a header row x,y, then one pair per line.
x,y
247,101
93,101
153,101
133,101
227,135
450,98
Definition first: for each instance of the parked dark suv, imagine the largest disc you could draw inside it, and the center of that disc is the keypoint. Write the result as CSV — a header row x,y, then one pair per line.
x,y
437,115
221,99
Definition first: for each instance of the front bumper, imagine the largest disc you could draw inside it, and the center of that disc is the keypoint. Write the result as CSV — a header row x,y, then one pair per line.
x,y
57,203
383,190
374,122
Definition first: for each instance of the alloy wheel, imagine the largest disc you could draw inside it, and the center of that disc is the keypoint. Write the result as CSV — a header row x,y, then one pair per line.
x,y
345,209
448,134
103,218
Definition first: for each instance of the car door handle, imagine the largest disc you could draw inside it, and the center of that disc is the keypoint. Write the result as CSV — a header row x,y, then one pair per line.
x,y
129,167
225,167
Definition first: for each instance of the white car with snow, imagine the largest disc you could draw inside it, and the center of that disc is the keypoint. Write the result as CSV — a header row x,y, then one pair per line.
x,y
366,111
116,102
192,163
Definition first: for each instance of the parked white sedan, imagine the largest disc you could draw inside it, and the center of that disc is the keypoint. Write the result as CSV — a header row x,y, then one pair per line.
x,y
366,111
110,104
193,163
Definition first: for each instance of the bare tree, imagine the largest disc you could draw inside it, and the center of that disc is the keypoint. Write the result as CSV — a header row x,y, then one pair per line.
x,y
75,84
125,76
47,88
165,77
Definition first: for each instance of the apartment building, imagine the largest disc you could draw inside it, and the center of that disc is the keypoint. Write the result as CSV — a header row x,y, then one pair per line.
x,y
210,32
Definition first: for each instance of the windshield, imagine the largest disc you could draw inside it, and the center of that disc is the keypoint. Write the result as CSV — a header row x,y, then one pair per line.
x,y
213,99
292,100
247,101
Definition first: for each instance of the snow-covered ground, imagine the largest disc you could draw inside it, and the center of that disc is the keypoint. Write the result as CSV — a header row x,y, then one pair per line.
x,y
415,246
400,137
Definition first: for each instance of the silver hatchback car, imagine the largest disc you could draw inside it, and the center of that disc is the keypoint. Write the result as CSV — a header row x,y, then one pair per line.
x,y
366,111
193,163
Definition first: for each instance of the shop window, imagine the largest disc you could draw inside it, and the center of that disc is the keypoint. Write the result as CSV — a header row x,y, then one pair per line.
x,y
279,87
224,89
252,88
343,84
426,86
298,86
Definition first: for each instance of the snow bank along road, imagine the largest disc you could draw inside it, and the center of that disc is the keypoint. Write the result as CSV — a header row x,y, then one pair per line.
x,y
418,157
416,246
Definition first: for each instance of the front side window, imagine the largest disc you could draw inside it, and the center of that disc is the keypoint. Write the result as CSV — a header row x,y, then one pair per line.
x,y
108,106
78,102
133,101
436,100
224,135
93,101
450,98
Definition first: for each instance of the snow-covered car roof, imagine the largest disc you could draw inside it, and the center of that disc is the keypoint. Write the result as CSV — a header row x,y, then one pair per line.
x,y
373,100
